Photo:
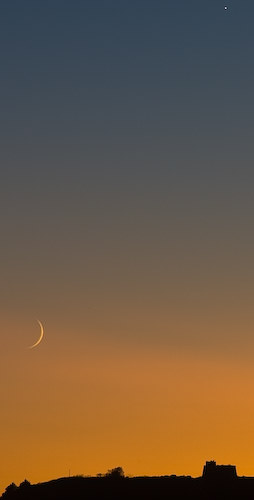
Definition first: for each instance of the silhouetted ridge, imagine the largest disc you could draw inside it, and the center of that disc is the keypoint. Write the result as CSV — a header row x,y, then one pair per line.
x,y
218,482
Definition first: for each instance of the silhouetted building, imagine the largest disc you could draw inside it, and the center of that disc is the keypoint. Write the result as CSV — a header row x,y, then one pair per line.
x,y
219,472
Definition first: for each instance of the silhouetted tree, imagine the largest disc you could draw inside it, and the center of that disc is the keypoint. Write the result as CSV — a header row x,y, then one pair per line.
x,y
115,473
25,484
10,490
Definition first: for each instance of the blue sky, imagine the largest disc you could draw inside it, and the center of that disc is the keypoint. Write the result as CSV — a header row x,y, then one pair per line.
x,y
126,149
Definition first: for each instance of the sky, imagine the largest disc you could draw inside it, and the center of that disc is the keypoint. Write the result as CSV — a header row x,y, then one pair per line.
x,y
126,193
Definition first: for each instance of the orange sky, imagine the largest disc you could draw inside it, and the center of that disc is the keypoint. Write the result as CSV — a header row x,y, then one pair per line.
x,y
126,228
89,407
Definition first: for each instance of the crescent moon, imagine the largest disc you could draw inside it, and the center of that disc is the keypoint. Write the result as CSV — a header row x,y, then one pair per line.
x,y
40,338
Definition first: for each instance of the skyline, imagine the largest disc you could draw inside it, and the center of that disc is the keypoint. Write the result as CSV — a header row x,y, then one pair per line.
x,y
216,479
126,188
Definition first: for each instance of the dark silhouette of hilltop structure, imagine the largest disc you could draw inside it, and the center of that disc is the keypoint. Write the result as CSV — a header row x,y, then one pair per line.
x,y
218,482
216,472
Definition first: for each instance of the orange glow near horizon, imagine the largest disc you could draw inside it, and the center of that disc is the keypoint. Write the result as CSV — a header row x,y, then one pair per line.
x,y
126,228
87,408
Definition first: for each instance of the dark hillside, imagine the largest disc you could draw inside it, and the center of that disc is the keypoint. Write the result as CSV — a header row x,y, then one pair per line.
x,y
147,488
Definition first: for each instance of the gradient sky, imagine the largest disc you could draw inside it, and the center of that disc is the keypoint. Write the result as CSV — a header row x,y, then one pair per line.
x,y
127,207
